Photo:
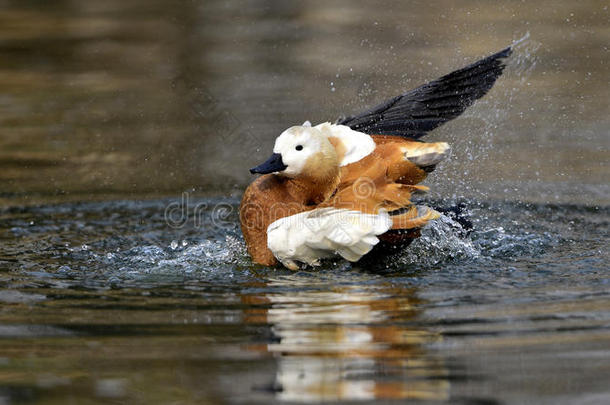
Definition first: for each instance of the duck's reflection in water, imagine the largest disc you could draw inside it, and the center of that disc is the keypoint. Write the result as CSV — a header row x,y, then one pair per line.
x,y
347,342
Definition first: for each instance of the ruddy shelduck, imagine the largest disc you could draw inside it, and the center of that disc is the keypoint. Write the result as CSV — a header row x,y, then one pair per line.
x,y
337,189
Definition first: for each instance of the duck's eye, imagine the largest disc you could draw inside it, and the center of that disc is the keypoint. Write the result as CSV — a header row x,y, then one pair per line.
x,y
299,147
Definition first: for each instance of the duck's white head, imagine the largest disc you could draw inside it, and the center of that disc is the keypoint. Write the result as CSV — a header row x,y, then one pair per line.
x,y
301,151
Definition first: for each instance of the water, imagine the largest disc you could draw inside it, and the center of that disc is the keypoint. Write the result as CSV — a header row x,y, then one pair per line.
x,y
104,300
108,100
126,134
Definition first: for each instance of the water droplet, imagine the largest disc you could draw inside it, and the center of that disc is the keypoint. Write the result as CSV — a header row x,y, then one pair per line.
x,y
64,269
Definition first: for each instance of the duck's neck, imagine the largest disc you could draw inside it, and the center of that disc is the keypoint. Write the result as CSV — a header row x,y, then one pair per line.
x,y
314,190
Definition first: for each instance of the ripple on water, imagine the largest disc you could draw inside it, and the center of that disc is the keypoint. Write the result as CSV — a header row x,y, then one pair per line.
x,y
127,240
526,278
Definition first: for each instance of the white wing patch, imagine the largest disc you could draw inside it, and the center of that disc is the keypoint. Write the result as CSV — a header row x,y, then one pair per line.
x,y
357,144
325,232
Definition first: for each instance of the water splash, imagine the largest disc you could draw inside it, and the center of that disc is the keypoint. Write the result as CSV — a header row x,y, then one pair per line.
x,y
104,251
478,132
200,259
441,241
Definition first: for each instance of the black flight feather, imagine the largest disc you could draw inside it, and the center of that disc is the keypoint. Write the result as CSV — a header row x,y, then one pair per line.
x,y
420,110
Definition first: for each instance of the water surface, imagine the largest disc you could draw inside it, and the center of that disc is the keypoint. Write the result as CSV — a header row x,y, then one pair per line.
x,y
104,300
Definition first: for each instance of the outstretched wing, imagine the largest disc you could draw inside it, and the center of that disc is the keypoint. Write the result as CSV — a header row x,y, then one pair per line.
x,y
419,111
310,236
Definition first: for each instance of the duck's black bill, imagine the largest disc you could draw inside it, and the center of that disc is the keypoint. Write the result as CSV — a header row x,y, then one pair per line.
x,y
273,164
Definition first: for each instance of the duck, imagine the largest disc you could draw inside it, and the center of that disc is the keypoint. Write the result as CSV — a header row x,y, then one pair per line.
x,y
337,189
